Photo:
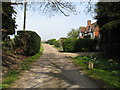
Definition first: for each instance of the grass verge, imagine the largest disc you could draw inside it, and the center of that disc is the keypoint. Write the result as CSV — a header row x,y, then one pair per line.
x,y
58,48
13,76
105,70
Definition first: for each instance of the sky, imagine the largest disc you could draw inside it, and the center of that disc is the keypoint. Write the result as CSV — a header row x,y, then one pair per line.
x,y
56,26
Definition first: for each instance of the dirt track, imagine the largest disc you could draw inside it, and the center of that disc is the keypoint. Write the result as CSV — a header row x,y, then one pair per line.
x,y
53,70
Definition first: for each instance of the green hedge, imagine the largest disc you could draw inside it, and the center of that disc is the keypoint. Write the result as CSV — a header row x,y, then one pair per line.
x,y
69,43
29,41
57,43
85,45
79,45
51,41
54,42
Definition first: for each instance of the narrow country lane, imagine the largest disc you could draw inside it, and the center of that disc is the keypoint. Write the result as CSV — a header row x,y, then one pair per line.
x,y
53,70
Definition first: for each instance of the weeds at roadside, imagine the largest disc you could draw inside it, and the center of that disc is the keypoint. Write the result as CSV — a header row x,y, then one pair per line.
x,y
14,75
104,68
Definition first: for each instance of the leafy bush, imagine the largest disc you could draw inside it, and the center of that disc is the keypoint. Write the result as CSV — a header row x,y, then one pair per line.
x,y
68,44
54,42
18,41
8,46
57,43
82,45
28,41
51,41
62,40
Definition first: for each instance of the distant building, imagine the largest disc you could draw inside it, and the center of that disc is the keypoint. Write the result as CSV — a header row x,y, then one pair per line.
x,y
90,31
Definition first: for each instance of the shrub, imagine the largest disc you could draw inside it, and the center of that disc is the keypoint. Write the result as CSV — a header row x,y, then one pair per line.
x,y
62,40
85,45
28,41
8,46
18,41
68,44
54,42
51,41
82,45
57,43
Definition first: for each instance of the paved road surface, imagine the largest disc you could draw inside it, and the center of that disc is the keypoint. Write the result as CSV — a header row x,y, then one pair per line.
x,y
53,70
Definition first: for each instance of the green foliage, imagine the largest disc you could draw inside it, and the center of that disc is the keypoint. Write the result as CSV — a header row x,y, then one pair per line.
x,y
110,38
79,45
28,61
107,12
100,62
85,45
68,44
57,43
28,41
61,40
14,75
108,19
18,41
73,33
111,78
54,42
8,46
51,41
8,21
104,68
10,78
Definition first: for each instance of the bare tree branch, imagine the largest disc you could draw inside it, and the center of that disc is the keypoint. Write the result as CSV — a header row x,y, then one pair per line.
x,y
61,10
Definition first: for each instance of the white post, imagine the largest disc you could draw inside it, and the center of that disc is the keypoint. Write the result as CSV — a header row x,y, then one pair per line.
x,y
90,66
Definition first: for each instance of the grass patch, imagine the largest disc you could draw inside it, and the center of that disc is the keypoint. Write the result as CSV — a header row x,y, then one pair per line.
x,y
26,63
105,69
10,78
13,75
58,48
111,78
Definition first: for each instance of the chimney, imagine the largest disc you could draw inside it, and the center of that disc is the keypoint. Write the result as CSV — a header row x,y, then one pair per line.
x,y
88,22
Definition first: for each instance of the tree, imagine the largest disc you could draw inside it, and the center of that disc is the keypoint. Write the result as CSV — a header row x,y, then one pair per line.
x,y
51,6
8,20
108,19
73,33
107,12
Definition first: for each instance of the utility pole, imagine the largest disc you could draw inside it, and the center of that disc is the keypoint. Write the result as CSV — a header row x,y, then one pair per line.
x,y
24,23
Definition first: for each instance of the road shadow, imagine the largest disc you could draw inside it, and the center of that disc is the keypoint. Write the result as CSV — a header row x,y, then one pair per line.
x,y
71,76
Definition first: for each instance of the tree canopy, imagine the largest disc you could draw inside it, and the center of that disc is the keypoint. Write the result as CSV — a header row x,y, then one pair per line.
x,y
8,20
73,33
107,12
51,7
108,19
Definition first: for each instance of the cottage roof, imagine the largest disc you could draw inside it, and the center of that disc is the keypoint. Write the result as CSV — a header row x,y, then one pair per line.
x,y
82,29
94,23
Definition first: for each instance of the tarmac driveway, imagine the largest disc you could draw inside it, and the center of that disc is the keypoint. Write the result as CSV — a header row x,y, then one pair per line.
x,y
53,70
